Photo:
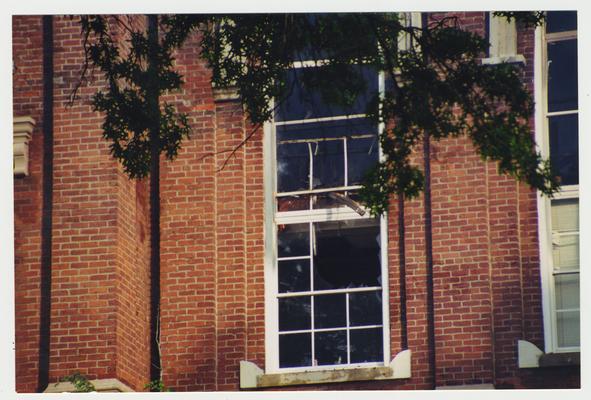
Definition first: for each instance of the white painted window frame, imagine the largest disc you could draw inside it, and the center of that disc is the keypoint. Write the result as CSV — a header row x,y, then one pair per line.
x,y
543,202
273,218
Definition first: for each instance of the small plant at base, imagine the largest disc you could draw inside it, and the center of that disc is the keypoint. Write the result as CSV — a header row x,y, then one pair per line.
x,y
80,382
157,386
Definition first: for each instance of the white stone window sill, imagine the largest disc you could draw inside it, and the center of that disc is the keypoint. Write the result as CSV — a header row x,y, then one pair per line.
x,y
511,59
101,385
252,377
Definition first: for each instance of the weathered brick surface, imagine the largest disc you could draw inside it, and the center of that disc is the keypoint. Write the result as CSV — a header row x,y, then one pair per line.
x,y
99,264
188,248
485,248
27,94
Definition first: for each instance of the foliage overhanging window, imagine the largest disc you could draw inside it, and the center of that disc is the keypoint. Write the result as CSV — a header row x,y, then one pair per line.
x,y
562,212
328,289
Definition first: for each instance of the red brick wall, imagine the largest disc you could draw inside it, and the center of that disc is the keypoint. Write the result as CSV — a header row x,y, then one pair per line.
x,y
212,244
84,264
27,94
100,278
188,247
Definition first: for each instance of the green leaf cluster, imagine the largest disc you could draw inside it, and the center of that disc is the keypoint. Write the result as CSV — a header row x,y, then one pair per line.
x,y
133,71
157,386
80,382
437,86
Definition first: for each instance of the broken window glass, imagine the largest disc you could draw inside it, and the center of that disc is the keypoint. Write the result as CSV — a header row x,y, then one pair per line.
x,y
293,167
328,164
328,268
342,152
347,254
294,275
293,240
362,156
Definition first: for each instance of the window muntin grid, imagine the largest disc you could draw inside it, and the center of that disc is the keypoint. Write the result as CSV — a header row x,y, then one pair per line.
x,y
332,315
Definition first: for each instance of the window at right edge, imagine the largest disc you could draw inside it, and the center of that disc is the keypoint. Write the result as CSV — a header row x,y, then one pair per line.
x,y
561,130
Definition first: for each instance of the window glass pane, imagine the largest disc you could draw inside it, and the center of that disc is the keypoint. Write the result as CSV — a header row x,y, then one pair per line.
x,y
362,155
327,200
328,164
565,215
562,79
365,308
568,328
567,291
560,21
366,345
293,240
330,347
347,254
294,313
330,311
303,102
295,350
293,203
564,155
294,276
565,249
293,167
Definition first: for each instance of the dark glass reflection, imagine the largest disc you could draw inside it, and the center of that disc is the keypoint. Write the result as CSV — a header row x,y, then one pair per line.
x,y
365,308
564,155
294,276
293,203
562,79
330,311
327,200
366,345
362,155
346,254
328,164
304,100
294,313
330,347
295,350
293,240
560,21
293,167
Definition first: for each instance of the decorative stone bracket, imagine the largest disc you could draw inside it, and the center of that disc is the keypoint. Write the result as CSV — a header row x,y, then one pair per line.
x,y
22,130
530,356
251,376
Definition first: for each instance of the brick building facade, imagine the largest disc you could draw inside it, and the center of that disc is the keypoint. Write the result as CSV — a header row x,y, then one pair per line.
x,y
493,300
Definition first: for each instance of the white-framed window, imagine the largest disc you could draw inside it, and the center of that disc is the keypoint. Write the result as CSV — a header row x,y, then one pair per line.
x,y
325,274
559,216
